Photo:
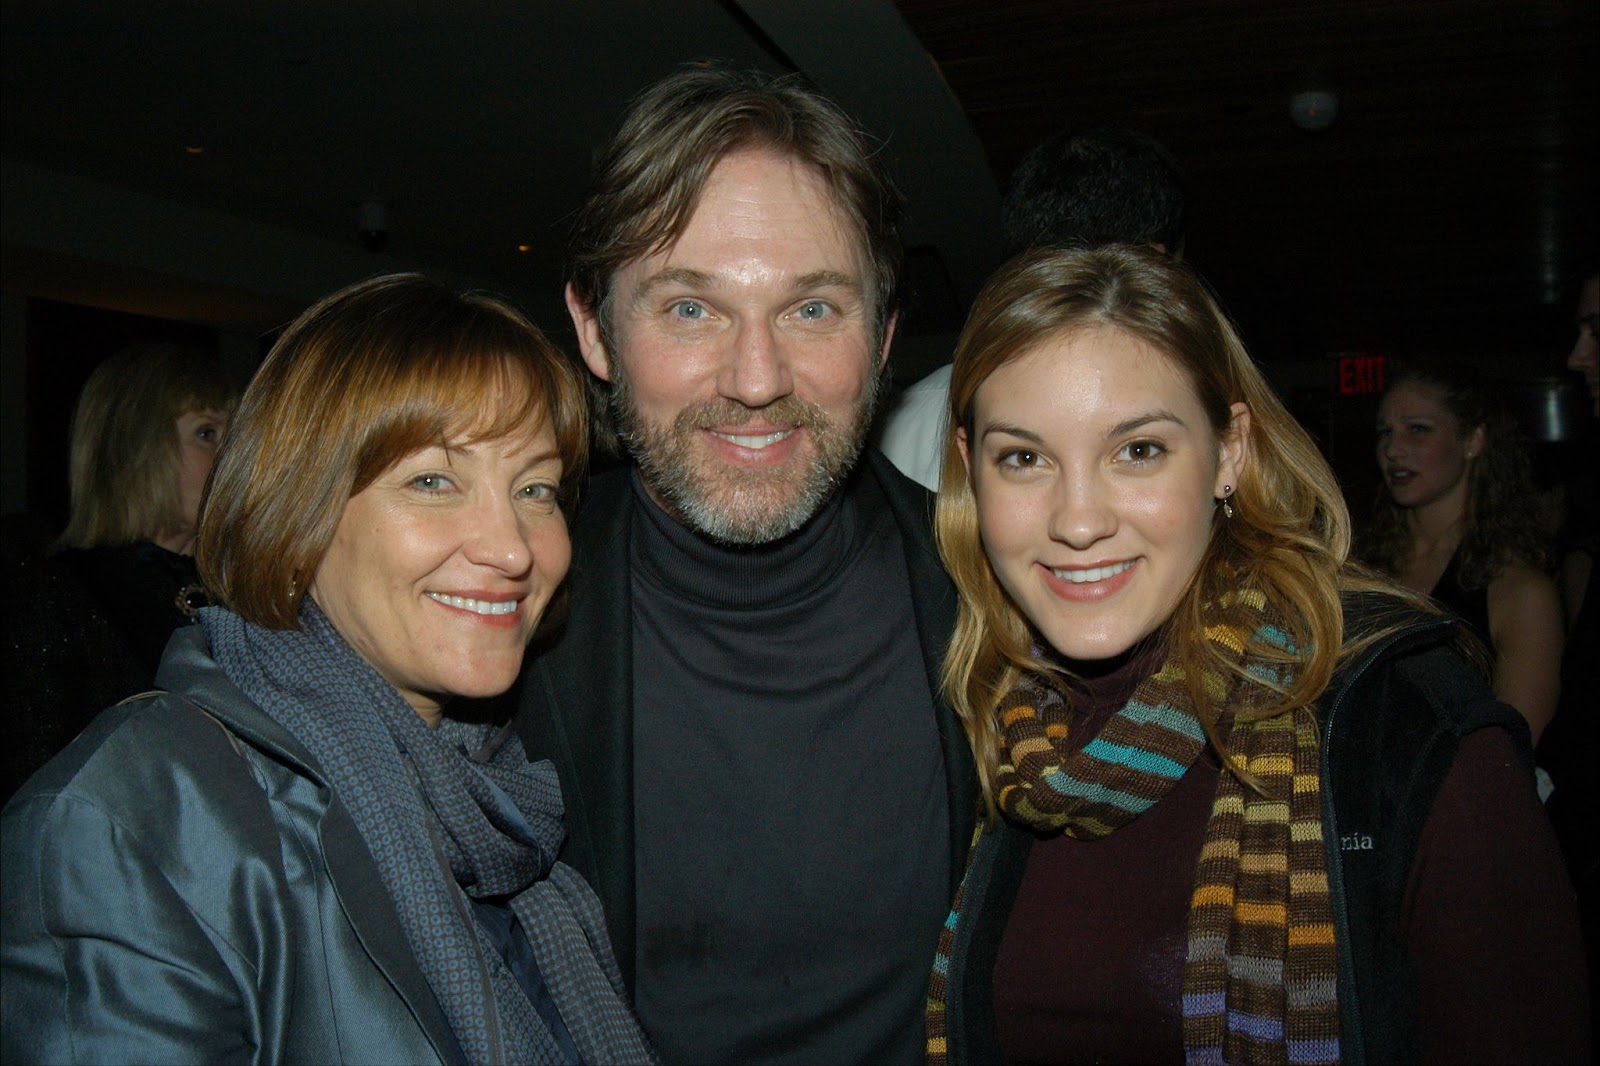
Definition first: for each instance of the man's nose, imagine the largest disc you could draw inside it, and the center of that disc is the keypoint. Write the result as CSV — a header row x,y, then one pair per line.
x,y
757,371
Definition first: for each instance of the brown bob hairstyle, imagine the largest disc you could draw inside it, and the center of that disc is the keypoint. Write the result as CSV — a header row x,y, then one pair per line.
x,y
362,379
1290,533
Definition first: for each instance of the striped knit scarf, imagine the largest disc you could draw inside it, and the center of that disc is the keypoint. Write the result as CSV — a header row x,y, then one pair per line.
x,y
1259,983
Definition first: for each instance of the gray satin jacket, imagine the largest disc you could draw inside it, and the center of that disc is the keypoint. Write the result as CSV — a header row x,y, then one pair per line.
x,y
171,891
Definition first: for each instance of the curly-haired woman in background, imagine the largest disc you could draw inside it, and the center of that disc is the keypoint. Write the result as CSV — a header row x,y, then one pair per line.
x,y
1455,521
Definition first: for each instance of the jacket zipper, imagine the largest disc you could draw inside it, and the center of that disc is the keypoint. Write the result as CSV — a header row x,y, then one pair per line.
x,y
1335,859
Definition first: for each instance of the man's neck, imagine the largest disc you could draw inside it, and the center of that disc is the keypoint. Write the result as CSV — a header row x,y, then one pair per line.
x,y
683,561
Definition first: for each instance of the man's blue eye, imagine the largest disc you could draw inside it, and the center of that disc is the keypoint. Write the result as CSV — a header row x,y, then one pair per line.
x,y
688,309
814,310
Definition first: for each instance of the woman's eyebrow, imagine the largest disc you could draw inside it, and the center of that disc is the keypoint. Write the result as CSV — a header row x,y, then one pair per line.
x,y
1128,425
1011,431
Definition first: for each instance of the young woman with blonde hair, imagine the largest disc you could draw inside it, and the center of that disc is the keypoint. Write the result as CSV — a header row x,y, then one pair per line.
x,y
1247,802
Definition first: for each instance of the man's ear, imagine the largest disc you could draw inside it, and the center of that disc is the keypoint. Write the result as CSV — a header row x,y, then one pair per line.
x,y
888,339
591,338
1235,455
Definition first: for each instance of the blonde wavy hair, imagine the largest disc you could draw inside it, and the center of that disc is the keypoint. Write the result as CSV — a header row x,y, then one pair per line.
x,y
1289,536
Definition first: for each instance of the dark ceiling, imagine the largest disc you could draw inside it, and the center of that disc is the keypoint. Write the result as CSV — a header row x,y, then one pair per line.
x,y
1449,205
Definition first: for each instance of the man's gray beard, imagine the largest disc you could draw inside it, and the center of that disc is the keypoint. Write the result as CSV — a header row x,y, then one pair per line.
x,y
746,507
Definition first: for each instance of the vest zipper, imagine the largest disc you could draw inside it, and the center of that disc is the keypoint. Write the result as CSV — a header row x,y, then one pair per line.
x,y
1350,1006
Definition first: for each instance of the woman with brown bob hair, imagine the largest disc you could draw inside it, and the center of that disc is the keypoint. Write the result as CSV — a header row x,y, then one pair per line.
x,y
1246,801
295,854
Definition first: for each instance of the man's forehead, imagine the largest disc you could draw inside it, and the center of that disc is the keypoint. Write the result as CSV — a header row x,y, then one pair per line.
x,y
762,203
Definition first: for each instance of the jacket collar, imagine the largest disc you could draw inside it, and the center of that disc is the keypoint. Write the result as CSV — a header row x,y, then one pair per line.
x,y
188,670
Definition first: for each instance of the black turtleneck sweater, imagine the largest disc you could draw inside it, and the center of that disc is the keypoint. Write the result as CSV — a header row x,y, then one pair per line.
x,y
790,797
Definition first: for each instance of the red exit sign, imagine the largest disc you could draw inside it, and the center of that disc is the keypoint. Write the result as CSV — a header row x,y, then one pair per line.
x,y
1361,375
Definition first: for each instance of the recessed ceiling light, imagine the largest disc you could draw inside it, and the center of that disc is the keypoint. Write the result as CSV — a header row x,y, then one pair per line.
x,y
195,149
524,247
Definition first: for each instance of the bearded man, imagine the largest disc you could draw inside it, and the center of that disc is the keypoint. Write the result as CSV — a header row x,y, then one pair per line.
x,y
761,780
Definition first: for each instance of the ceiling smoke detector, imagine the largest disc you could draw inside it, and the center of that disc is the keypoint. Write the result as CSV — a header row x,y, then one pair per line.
x,y
1314,110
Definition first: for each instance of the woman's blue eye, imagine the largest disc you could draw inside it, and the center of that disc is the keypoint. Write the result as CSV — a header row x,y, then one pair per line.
x,y
430,482
540,492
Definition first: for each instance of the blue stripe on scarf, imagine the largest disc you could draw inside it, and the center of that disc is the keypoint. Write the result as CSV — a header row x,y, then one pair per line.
x,y
1196,1004
1068,785
1134,758
1166,717
1313,1051
1255,1025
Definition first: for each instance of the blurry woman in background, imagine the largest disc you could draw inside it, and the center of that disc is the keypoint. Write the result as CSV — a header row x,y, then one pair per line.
x,y
295,854
121,577
144,437
1456,520
1247,804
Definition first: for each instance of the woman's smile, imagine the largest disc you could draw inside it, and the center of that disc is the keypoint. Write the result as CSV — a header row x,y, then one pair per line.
x,y
1096,473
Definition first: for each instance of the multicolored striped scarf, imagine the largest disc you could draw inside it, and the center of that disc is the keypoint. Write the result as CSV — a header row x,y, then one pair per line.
x,y
1259,984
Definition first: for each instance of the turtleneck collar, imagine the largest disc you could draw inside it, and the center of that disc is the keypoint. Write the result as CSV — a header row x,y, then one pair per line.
x,y
683,563
1100,689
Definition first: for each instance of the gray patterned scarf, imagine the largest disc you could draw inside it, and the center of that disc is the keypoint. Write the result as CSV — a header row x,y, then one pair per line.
x,y
462,799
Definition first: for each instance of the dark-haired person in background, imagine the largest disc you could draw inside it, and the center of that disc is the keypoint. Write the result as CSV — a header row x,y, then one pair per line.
x,y
1092,186
762,781
1585,354
1570,749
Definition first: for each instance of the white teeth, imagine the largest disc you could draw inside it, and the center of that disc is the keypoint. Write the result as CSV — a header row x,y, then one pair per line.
x,y
1098,573
466,603
757,442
